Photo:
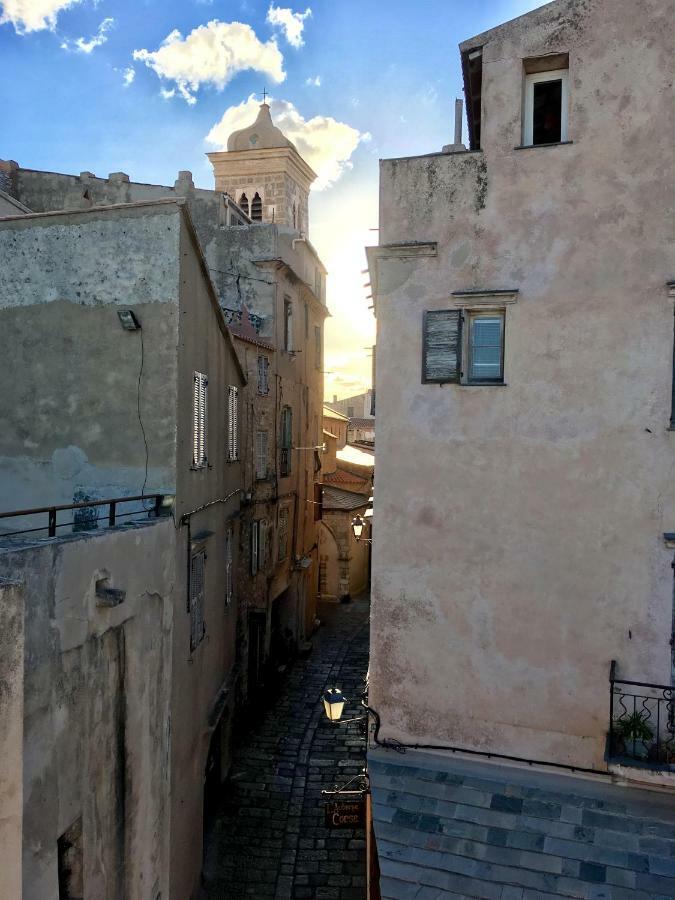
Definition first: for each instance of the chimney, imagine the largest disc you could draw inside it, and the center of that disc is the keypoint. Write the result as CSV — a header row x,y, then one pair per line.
x,y
458,146
334,398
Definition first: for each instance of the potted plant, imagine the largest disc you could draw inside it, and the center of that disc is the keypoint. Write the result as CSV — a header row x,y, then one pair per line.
x,y
661,752
632,736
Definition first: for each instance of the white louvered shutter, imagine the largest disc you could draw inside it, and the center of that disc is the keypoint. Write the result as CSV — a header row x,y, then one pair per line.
x,y
261,454
232,423
199,410
442,346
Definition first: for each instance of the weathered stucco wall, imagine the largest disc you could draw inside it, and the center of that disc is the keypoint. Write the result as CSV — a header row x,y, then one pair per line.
x,y
519,528
96,707
11,737
71,422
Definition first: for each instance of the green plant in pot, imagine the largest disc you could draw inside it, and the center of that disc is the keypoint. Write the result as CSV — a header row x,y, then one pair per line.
x,y
632,733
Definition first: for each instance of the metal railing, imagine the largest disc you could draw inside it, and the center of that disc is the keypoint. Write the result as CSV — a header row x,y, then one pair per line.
x,y
641,722
87,521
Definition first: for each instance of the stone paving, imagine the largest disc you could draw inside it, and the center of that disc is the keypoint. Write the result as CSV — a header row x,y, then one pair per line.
x,y
269,841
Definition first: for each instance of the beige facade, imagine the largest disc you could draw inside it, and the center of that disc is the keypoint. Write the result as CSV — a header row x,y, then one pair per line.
x,y
101,412
535,506
11,736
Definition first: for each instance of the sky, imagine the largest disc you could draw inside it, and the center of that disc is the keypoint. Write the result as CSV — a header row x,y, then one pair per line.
x,y
148,87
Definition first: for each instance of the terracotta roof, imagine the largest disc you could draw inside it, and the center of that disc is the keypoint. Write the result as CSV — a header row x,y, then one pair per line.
x,y
336,498
340,477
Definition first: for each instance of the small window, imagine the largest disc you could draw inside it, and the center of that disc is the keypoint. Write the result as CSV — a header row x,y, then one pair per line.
x,y
255,533
463,347
288,324
286,440
263,375
259,543
229,568
232,423
196,599
261,445
486,348
294,216
243,203
199,413
318,346
546,108
350,412
256,208
282,549
306,321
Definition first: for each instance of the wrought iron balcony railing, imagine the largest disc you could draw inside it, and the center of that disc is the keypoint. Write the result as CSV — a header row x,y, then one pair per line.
x,y
83,516
641,722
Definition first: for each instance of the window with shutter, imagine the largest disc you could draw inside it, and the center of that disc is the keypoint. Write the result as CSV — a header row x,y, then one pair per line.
x,y
261,444
288,324
282,550
255,534
263,539
263,375
229,574
486,342
286,440
232,423
442,346
197,591
199,411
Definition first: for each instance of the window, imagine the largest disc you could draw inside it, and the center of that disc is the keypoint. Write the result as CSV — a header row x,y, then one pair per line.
x,y
229,567
263,375
318,346
485,346
294,216
451,334
256,208
286,439
196,598
232,423
546,108
261,443
243,202
288,324
306,321
199,411
282,550
259,542
350,412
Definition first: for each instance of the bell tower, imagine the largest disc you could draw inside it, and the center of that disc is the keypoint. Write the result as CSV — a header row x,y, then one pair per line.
x,y
264,173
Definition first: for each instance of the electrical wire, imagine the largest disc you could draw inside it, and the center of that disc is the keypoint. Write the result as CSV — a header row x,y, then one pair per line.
x,y
238,275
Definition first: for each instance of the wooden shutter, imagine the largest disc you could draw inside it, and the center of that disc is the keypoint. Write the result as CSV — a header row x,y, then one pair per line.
x,y
197,574
199,419
229,581
232,423
262,544
283,535
255,534
442,346
261,454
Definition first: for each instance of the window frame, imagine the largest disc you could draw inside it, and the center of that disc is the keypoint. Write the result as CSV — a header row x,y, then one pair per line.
x,y
261,475
531,79
197,600
318,347
286,442
263,374
282,533
471,316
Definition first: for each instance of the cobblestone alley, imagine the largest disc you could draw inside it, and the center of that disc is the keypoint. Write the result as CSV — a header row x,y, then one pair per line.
x,y
269,839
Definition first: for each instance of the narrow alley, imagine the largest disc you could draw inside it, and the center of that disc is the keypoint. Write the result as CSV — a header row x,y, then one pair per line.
x,y
268,838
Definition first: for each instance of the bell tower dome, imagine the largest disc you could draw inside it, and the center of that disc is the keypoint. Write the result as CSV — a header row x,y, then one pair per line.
x,y
264,173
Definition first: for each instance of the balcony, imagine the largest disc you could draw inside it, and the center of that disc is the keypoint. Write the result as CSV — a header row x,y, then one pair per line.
x,y
641,723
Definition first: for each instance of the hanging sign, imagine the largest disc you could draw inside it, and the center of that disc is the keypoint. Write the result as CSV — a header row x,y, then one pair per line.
x,y
345,813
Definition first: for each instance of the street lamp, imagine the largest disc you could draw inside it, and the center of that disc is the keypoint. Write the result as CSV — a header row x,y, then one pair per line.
x,y
334,703
357,528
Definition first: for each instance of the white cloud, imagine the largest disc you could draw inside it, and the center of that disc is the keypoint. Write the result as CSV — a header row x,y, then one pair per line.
x,y
212,54
167,95
32,15
292,24
128,75
313,82
326,144
84,46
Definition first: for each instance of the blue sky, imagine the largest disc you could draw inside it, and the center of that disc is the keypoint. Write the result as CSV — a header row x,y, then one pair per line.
x,y
388,71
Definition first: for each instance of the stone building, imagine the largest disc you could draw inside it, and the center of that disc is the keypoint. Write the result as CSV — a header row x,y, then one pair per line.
x,y
360,406
531,460
126,383
154,281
